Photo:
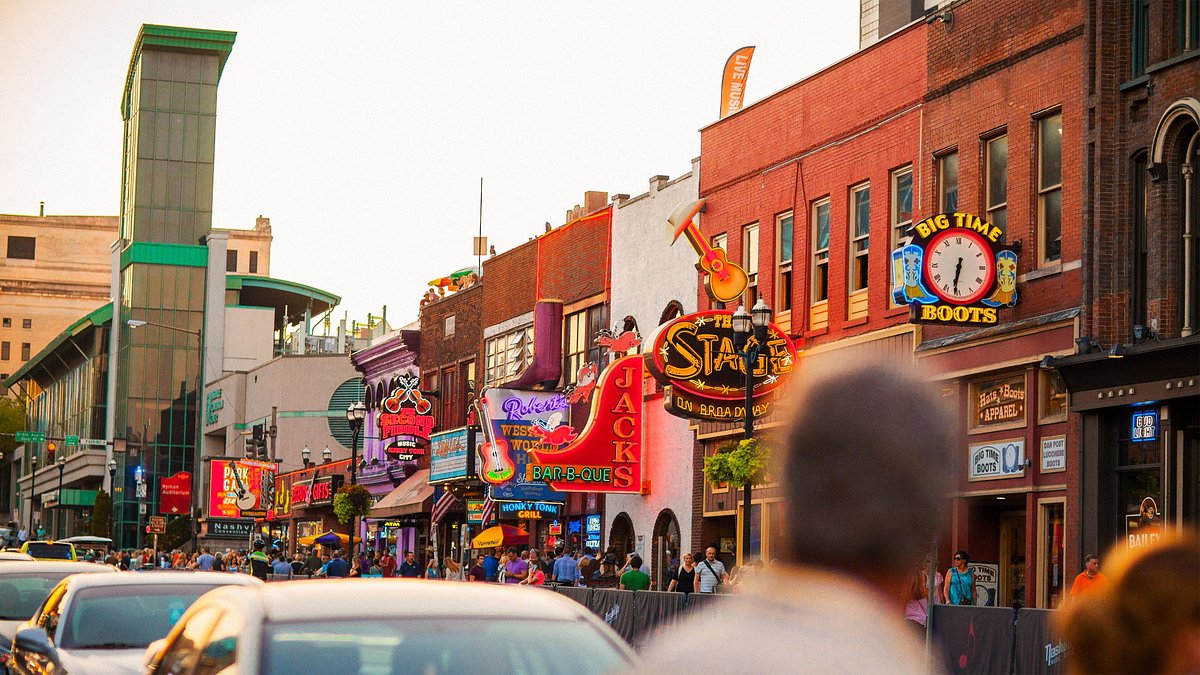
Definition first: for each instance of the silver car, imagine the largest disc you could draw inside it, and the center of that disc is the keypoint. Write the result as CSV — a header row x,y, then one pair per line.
x,y
102,623
24,585
388,626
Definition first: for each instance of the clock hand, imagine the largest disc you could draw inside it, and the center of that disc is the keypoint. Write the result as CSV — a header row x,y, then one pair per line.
x,y
957,273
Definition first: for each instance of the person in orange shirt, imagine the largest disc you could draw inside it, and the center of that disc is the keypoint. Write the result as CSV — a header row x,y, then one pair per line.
x,y
1090,578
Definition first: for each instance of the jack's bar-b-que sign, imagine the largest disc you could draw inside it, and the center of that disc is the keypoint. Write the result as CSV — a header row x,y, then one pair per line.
x,y
695,356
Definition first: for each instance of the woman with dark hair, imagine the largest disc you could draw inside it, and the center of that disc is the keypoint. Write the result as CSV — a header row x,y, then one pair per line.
x,y
960,581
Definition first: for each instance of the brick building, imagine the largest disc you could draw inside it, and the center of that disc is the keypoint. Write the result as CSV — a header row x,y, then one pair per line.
x,y
1134,381
799,187
1002,144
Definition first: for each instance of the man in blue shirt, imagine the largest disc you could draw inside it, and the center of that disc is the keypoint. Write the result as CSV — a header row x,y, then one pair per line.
x,y
205,561
566,569
338,568
281,566
491,565
409,568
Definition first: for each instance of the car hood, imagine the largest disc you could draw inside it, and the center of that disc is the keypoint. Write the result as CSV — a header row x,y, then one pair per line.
x,y
102,661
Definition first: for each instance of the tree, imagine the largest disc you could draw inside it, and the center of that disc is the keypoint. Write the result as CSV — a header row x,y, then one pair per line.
x,y
101,525
12,419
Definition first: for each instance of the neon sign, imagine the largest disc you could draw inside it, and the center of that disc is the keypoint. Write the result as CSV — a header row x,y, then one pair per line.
x,y
406,416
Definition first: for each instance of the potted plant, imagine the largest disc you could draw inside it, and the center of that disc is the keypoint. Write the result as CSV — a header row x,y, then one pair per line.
x,y
738,463
351,501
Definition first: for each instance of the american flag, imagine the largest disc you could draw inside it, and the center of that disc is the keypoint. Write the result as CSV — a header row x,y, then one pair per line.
x,y
443,506
488,506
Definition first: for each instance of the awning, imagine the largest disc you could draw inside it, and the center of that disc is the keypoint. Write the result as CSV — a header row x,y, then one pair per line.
x,y
415,495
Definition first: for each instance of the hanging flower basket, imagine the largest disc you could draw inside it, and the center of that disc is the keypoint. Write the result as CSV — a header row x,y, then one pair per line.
x,y
351,501
738,463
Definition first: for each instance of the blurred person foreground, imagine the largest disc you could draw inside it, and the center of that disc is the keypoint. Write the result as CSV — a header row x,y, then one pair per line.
x,y
871,496
1146,618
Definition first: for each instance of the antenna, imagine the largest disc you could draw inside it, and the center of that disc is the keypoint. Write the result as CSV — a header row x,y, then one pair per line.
x,y
479,243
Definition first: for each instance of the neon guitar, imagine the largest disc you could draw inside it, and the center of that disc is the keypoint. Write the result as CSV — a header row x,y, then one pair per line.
x,y
497,467
245,499
726,281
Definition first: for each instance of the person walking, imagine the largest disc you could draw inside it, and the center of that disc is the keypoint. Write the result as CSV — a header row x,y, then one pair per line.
x,y
516,569
281,567
685,579
1090,579
205,561
566,569
710,573
454,571
337,568
408,568
635,579
260,564
916,607
431,569
960,587
491,565
387,563
478,571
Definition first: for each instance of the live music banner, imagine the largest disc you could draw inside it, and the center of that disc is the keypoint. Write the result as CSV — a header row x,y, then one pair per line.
x,y
974,639
1040,648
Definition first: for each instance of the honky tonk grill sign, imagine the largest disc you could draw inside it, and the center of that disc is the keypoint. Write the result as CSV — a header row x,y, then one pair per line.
x,y
695,356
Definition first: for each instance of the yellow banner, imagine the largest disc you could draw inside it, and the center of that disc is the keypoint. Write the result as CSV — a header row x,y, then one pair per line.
x,y
733,82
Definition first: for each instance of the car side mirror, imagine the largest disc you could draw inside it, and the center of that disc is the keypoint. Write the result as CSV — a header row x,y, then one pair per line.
x,y
153,656
35,640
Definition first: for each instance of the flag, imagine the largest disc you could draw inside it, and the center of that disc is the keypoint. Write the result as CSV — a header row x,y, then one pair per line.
x,y
488,505
443,506
733,81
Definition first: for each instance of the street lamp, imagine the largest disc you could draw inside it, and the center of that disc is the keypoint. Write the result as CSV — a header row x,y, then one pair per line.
x,y
355,414
62,466
749,335
326,455
112,503
306,455
33,462
199,335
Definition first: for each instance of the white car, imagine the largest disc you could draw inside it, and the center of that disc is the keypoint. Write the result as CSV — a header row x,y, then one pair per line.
x,y
350,626
102,623
24,585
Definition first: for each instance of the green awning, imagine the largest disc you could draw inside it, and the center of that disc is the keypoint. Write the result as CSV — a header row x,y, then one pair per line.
x,y
98,317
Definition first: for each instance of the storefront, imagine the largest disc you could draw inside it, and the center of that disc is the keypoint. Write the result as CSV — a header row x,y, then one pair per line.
x,y
401,517
1139,420
303,505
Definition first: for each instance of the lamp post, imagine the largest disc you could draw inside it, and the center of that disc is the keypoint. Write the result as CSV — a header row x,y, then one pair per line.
x,y
58,528
326,455
306,455
33,462
355,414
750,334
199,335
112,503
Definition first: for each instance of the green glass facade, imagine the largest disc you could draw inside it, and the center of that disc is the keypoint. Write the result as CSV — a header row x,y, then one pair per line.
x,y
169,109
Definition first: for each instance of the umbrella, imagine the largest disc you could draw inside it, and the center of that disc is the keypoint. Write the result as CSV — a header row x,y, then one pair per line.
x,y
500,535
329,538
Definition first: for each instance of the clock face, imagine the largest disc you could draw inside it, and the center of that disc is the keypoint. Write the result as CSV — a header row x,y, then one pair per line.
x,y
959,266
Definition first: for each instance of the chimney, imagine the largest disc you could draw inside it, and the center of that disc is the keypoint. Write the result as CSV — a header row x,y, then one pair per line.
x,y
658,182
593,201
262,224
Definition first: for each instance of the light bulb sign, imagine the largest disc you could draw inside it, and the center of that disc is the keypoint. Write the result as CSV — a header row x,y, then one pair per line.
x,y
955,271
406,417
514,424
695,355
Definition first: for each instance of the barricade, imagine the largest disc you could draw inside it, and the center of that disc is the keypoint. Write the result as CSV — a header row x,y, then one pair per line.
x,y
709,605
616,608
974,639
577,593
1040,648
655,611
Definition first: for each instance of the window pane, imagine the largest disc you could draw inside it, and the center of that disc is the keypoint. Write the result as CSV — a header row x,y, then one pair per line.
x,y
1052,222
862,212
903,197
949,183
822,238
1051,151
785,238
751,249
997,171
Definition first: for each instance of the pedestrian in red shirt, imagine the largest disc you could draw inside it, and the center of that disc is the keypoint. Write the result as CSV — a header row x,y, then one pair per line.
x,y
387,563
1090,579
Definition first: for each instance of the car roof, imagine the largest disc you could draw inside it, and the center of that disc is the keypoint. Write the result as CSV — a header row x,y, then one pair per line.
x,y
69,566
167,579
333,599
14,555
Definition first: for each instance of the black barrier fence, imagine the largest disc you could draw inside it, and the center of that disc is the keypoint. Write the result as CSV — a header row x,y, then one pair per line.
x,y
639,615
998,640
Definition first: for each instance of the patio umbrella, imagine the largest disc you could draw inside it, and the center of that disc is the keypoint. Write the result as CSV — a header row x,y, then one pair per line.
x,y
329,538
500,535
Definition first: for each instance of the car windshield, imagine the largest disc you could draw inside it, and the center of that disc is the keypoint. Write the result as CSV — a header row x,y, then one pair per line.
x,y
432,646
55,551
21,594
126,617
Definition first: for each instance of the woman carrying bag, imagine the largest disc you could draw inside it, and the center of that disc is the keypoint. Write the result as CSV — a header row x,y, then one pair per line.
x,y
960,583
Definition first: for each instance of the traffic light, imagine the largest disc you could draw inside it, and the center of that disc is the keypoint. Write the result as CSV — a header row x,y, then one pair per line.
x,y
51,446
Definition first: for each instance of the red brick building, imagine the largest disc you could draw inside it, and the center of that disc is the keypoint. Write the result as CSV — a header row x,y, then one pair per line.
x,y
810,190
1003,140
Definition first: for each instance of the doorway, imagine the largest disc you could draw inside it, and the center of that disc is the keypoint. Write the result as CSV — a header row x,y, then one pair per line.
x,y
1012,560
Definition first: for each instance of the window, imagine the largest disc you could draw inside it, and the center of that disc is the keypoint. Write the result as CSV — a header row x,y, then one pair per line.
x,y
26,323
860,231
450,401
996,182
1139,43
582,327
5,351
720,241
253,262
21,248
750,261
1189,24
1050,187
902,200
507,355
220,649
1052,553
1139,278
7,322
448,326
24,351
1052,397
783,253
820,220
231,260
948,183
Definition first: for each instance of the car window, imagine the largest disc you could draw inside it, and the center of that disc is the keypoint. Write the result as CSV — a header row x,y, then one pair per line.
x,y
220,649
52,551
181,656
433,646
145,613
50,611
22,595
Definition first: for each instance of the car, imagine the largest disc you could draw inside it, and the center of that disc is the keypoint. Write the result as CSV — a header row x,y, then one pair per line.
x,y
50,550
103,623
388,626
24,586
15,555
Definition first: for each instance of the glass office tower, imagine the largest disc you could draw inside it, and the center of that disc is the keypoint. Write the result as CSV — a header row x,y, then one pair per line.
x,y
169,111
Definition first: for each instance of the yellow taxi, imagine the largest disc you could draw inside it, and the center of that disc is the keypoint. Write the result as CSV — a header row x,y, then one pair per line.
x,y
50,550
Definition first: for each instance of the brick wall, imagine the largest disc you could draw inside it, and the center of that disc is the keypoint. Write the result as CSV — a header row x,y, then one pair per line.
x,y
438,349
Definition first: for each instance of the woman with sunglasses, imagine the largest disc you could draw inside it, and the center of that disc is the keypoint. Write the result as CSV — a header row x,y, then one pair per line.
x,y
960,581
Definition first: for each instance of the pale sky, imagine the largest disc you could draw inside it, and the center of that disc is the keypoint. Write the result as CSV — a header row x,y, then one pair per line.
x,y
362,131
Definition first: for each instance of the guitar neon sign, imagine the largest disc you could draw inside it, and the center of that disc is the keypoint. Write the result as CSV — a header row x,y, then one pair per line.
x,y
726,281
406,413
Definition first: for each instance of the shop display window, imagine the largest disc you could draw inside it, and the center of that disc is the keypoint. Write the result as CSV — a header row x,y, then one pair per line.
x,y
1053,575
1052,397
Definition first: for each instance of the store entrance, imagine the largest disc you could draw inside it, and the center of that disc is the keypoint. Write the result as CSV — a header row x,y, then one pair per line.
x,y
998,527
1012,559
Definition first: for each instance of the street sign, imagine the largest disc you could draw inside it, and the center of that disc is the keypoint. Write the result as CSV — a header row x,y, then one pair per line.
x,y
71,440
93,442
30,437
158,525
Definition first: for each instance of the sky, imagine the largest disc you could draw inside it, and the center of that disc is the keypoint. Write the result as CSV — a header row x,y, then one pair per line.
x,y
362,131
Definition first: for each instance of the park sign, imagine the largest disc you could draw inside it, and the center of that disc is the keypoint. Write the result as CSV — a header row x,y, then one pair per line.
x,y
696,358
955,271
